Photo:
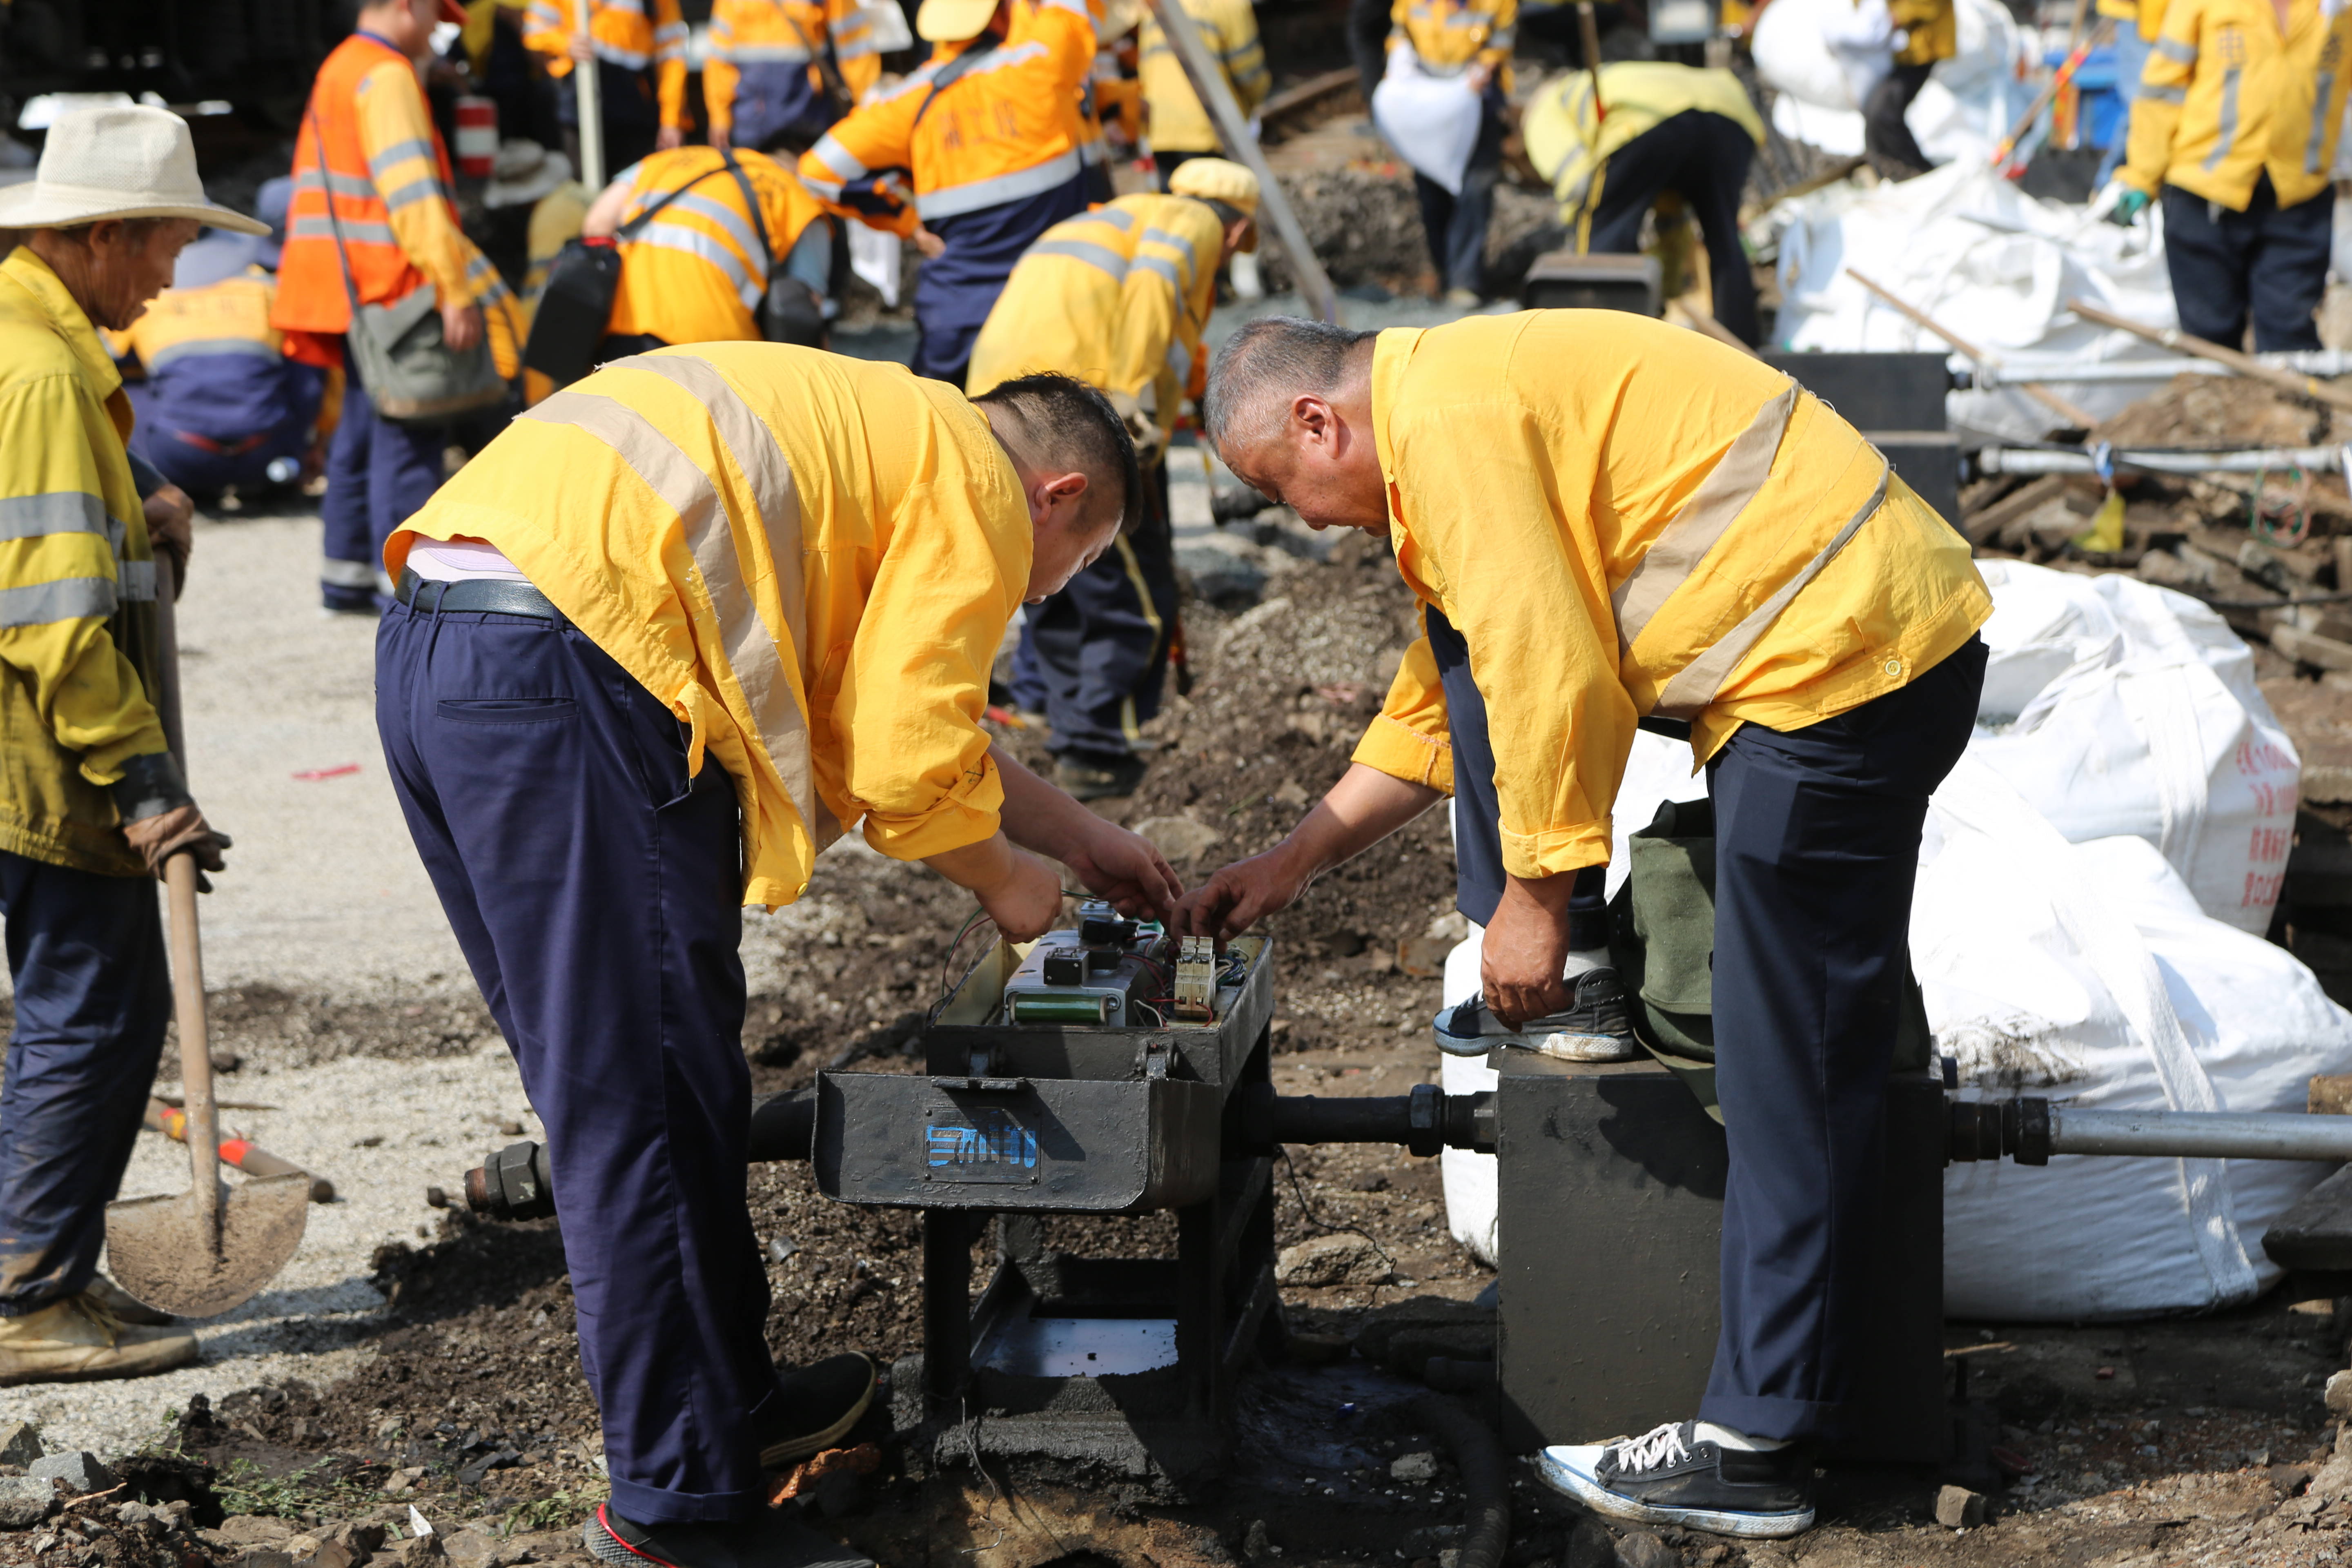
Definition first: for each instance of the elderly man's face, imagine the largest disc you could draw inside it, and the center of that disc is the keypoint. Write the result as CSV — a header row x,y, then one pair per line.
x,y
1321,463
124,266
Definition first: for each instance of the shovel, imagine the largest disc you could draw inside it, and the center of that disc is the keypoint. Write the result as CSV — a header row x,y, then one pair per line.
x,y
214,1247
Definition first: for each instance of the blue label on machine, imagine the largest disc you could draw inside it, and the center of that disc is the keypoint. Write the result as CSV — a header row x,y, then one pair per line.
x,y
991,1147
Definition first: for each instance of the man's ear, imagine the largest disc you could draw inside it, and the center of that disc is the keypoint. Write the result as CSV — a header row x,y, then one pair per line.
x,y
1054,488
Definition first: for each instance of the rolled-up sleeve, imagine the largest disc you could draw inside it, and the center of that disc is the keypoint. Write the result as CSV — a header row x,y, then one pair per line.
x,y
1409,738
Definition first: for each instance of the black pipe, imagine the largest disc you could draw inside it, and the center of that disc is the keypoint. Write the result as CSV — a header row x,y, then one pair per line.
x,y
1487,1519
784,1127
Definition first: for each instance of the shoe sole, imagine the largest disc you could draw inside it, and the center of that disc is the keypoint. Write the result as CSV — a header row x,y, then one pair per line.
x,y
1455,1046
606,1547
1569,1048
1714,1522
778,1455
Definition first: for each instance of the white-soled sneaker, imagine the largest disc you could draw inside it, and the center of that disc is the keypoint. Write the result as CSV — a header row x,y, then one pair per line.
x,y
1594,1029
1671,1475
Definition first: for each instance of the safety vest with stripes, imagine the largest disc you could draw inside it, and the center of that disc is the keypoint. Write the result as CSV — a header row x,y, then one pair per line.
x,y
1451,36
1118,298
696,272
1648,523
811,559
1229,28
1003,128
634,35
2226,98
762,74
217,369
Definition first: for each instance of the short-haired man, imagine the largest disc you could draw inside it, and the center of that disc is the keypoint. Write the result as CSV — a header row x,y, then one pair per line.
x,y
91,802
653,649
1648,523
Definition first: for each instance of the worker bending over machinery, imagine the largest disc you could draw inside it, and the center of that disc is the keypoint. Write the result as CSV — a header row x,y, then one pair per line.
x,y
1666,128
1119,299
220,405
638,47
371,223
987,132
2235,125
780,71
653,648
716,245
1179,126
1650,523
92,801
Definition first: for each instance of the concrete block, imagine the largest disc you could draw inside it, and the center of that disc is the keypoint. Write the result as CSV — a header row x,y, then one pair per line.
x,y
1957,1508
2339,1391
256,1529
79,1469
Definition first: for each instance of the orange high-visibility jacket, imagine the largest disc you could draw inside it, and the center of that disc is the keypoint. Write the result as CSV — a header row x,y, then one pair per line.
x,y
389,179
696,272
631,33
752,32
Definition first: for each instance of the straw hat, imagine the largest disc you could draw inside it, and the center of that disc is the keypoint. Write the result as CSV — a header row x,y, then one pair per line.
x,y
953,21
524,172
1218,180
119,160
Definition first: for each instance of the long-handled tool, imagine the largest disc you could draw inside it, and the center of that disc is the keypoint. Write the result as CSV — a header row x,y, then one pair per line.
x,y
2247,365
248,1156
212,1247
2047,398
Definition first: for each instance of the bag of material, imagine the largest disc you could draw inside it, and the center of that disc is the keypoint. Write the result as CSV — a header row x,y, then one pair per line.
x,y
1432,120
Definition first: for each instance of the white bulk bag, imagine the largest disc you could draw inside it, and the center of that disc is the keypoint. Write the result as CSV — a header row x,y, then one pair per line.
x,y
2087,972
2114,707
1432,120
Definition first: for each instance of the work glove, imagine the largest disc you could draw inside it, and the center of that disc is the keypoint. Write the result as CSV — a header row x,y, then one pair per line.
x,y
160,819
2128,208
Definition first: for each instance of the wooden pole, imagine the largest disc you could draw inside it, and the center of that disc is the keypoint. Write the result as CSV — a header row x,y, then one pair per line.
x,y
2295,382
2049,399
588,88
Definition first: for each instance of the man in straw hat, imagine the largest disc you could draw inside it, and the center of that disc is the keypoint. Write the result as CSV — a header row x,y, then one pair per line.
x,y
1116,298
92,800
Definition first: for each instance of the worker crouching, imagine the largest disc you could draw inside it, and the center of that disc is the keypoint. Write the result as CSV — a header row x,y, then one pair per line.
x,y
655,647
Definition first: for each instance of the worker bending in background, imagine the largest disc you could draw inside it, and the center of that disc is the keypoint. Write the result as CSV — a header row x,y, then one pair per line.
x,y
706,237
987,134
667,637
367,146
92,801
1119,299
220,406
1176,121
1471,40
1926,31
768,83
638,47
1648,522
1666,128
2236,125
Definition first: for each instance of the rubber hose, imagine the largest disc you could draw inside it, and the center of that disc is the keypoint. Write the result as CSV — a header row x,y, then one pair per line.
x,y
1486,1520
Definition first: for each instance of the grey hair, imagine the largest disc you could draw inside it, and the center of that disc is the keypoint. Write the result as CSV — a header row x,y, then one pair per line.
x,y
1265,364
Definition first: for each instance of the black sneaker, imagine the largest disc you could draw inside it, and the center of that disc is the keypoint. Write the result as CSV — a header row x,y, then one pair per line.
x,y
1669,1477
774,1540
1594,1029
818,1405
1099,778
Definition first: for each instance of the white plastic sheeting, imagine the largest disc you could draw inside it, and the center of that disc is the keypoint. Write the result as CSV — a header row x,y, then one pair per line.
x,y
1982,258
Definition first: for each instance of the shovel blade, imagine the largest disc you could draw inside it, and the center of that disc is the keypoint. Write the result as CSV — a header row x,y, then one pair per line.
x,y
158,1253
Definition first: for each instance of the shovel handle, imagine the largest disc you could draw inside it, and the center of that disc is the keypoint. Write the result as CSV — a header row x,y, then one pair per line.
x,y
187,948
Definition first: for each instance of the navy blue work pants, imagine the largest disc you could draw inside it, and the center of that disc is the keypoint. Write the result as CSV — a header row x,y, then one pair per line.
x,y
955,290
1456,225
2268,261
1093,657
595,891
1704,159
1816,849
85,954
379,475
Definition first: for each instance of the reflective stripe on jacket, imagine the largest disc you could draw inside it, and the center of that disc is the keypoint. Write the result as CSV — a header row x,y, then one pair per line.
x,y
1649,523
388,177
1004,129
1931,30
1569,150
812,559
1118,298
77,583
1450,36
772,32
215,367
2147,15
2225,100
1179,122
697,272
634,35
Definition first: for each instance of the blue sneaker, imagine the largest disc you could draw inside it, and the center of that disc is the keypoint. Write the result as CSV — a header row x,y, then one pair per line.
x,y
1594,1029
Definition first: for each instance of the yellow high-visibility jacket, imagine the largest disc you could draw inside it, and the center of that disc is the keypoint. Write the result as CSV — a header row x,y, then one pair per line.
x,y
631,33
2225,99
785,33
1571,151
556,219
1118,298
812,559
1932,30
696,273
77,583
2147,15
1451,36
1177,123
1648,523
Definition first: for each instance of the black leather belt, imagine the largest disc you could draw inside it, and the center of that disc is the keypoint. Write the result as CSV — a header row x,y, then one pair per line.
x,y
495,595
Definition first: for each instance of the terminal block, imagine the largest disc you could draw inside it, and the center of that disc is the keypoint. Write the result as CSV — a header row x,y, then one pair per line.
x,y
1196,980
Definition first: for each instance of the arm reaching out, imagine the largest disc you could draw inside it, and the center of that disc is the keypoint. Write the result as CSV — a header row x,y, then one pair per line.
x,y
1365,806
1113,863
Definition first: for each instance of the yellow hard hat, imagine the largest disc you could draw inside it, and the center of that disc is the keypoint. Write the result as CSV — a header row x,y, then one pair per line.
x,y
1218,180
953,21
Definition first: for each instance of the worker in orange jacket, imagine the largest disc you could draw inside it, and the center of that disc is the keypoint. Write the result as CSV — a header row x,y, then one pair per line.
x,y
768,84
639,50
367,142
973,157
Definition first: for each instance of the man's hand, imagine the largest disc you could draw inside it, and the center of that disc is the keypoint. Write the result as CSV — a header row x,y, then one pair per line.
x,y
1025,901
668,137
2128,208
931,246
1128,870
158,837
719,138
170,528
580,48
461,325
1239,896
1527,948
